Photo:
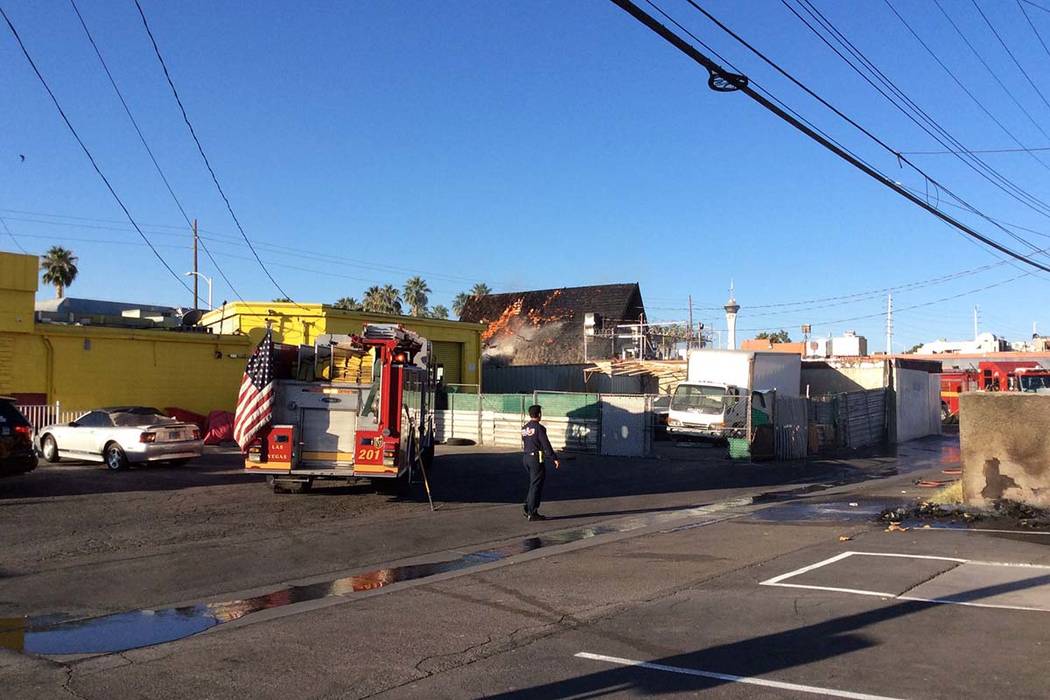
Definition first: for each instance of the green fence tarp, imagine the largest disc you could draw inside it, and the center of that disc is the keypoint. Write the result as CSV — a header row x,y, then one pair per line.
x,y
579,406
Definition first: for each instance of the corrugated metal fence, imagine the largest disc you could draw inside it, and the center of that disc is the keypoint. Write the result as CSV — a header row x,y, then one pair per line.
x,y
573,421
852,419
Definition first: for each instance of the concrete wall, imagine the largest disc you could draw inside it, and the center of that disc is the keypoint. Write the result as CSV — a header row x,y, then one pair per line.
x,y
822,379
1005,450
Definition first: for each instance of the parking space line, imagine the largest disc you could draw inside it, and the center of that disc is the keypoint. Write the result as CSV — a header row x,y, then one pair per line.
x,y
831,560
747,680
779,581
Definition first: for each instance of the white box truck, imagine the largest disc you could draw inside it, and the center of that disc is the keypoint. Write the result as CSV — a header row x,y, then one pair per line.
x,y
711,402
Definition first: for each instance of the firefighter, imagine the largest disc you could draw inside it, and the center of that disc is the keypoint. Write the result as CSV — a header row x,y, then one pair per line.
x,y
538,452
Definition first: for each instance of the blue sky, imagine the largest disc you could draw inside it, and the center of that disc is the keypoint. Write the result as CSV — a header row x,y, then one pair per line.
x,y
528,145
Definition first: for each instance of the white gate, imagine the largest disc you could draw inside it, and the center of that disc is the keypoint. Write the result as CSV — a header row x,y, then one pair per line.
x,y
625,424
41,415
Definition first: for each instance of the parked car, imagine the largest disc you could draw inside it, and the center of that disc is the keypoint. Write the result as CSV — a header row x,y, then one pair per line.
x,y
16,441
120,436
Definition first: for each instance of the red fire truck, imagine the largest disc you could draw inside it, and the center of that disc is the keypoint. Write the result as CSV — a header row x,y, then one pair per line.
x,y
350,406
992,375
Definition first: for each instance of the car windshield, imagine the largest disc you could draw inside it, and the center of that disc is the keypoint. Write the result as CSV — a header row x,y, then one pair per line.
x,y
136,419
1034,383
701,399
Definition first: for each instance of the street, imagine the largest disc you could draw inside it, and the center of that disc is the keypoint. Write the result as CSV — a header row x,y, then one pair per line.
x,y
695,567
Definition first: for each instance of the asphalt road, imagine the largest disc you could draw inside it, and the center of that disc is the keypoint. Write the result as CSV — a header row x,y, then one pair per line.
x,y
659,561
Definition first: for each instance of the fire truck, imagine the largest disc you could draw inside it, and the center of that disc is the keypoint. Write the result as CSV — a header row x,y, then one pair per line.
x,y
350,406
992,375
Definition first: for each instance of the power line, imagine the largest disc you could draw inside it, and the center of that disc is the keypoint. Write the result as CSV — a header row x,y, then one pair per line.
x,y
723,81
977,150
1036,5
142,138
1011,54
1032,25
8,231
987,67
87,152
976,164
233,239
200,148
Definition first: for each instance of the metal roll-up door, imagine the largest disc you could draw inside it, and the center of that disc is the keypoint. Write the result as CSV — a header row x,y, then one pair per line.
x,y
450,356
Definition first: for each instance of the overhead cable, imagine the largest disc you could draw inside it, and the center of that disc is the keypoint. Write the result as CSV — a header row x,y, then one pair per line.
x,y
924,121
722,80
1011,54
8,232
204,156
142,138
87,152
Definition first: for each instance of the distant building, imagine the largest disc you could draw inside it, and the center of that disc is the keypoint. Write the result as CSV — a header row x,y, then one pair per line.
x,y
849,344
766,345
570,325
983,343
98,312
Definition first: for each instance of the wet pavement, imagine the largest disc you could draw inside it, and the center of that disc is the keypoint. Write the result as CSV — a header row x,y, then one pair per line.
x,y
57,634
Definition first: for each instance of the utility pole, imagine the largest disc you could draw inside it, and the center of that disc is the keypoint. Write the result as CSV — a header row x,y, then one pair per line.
x,y
975,311
196,296
689,341
889,323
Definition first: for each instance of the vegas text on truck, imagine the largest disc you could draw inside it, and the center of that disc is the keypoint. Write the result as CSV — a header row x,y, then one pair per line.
x,y
721,386
349,407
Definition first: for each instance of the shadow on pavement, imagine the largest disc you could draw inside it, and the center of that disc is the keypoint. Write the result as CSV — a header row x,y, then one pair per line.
x,y
758,656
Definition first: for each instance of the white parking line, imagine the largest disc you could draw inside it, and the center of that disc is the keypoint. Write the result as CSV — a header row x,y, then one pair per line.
x,y
748,680
779,581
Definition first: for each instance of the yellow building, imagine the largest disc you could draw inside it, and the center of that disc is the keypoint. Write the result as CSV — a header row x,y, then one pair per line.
x,y
86,367
457,346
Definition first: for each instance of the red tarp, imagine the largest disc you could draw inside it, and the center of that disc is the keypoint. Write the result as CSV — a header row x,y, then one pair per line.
x,y
185,416
220,428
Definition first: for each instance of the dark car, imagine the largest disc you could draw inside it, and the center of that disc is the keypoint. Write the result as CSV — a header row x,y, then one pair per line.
x,y
16,440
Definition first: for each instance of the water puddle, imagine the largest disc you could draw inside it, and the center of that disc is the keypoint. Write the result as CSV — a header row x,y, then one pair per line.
x,y
60,635
835,511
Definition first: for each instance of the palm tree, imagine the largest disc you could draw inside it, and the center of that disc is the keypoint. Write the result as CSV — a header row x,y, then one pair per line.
x,y
459,303
415,295
480,290
59,269
439,311
382,300
348,304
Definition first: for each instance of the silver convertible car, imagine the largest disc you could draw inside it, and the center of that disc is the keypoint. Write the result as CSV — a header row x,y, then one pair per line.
x,y
120,436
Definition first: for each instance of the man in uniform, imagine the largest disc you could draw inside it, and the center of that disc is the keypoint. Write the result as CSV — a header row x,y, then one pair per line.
x,y
538,452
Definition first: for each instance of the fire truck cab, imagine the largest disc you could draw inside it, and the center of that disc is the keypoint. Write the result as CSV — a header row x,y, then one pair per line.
x,y
350,406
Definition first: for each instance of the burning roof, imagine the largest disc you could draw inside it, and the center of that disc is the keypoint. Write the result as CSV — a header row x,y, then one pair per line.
x,y
546,326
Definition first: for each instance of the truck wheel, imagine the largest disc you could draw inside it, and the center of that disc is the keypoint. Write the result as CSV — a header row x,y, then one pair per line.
x,y
945,413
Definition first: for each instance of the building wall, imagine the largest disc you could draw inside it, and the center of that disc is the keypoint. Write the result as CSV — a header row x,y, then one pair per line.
x,y
85,367
300,324
18,275
821,379
1005,453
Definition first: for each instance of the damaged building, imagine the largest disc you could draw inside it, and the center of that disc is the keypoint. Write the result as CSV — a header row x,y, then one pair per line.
x,y
566,326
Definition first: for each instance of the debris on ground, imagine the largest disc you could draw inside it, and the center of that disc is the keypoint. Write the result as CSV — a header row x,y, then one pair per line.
x,y
947,507
933,483
844,538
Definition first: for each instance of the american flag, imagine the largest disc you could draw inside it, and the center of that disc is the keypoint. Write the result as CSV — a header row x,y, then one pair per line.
x,y
255,402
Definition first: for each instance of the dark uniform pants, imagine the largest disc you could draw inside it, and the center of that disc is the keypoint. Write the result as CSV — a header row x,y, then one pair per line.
x,y
537,475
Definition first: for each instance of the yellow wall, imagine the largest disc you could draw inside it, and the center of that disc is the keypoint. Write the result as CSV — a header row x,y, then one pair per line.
x,y
17,291
300,324
85,367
